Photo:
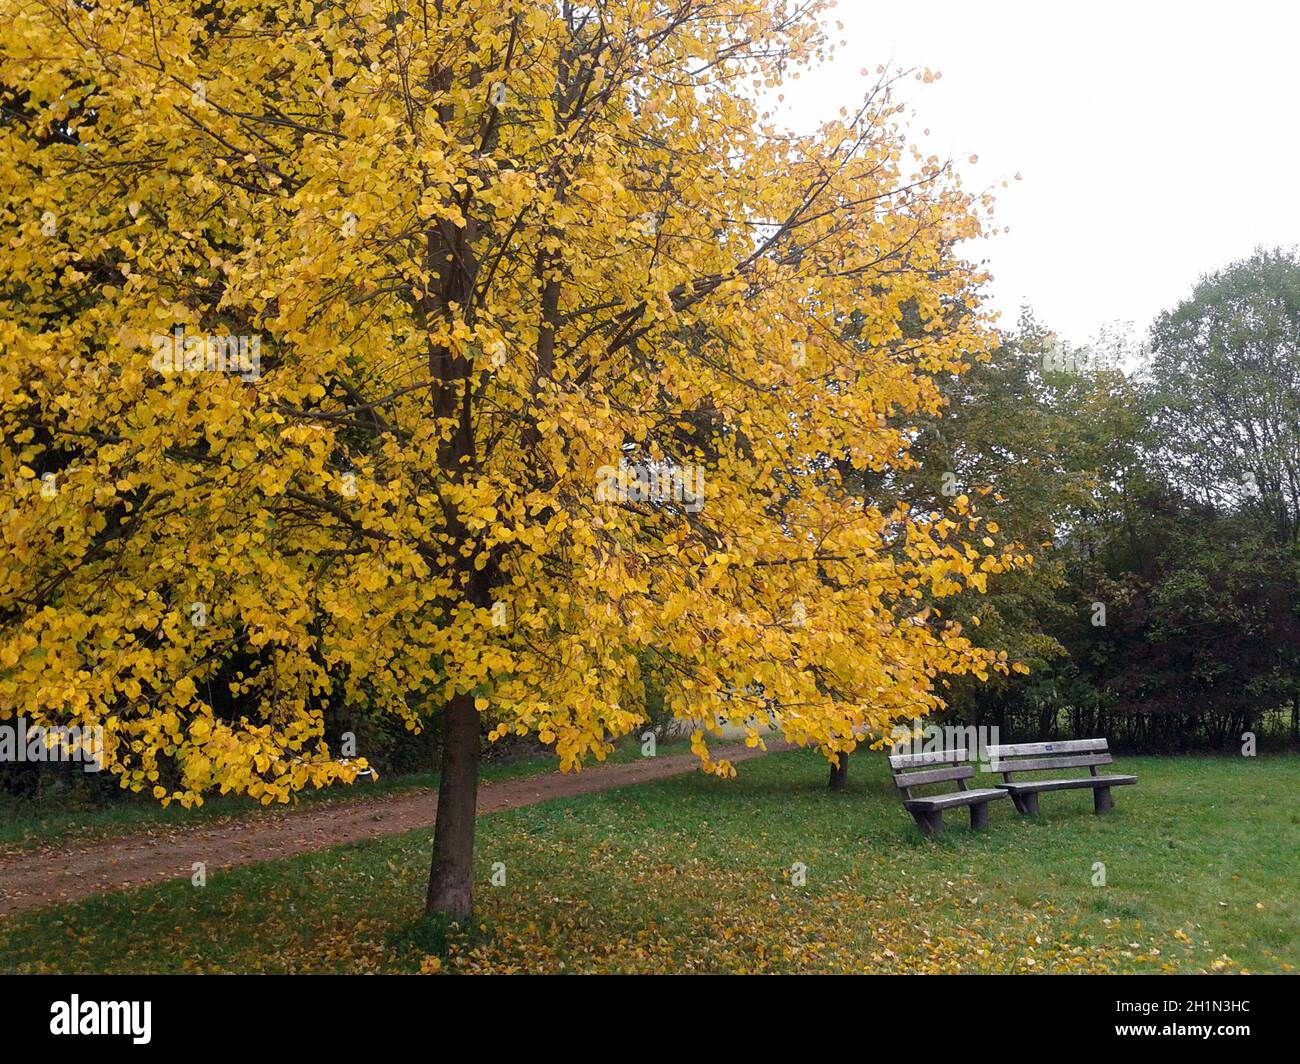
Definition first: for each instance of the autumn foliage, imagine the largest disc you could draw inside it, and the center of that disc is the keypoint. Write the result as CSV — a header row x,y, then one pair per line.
x,y
477,254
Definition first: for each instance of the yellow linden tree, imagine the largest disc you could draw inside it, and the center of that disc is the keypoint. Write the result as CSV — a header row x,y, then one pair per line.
x,y
463,357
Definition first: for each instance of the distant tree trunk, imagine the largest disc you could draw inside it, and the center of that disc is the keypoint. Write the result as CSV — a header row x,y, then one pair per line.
x,y
840,773
451,877
1295,718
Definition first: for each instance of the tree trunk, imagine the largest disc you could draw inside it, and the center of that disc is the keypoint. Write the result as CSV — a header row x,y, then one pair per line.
x,y
840,773
451,877
1295,718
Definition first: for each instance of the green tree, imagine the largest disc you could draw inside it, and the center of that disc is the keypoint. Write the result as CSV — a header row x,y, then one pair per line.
x,y
1226,380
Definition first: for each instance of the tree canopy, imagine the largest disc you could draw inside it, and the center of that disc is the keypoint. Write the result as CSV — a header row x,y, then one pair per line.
x,y
454,358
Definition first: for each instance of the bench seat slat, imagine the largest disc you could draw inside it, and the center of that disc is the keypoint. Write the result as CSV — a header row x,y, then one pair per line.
x,y
957,798
1034,786
1038,764
1068,746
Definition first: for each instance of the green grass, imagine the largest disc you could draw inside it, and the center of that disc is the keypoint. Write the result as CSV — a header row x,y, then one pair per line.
x,y
26,827
693,874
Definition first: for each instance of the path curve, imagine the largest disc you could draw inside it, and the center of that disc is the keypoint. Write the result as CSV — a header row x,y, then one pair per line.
x,y
56,876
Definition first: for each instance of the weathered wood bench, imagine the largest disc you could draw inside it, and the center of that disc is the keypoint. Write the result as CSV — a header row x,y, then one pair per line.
x,y
944,766
1052,757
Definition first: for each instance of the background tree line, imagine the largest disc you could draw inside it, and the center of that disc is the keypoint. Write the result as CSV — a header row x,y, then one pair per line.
x,y
1166,612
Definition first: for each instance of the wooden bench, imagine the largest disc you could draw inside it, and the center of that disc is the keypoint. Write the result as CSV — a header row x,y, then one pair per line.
x,y
911,771
1051,757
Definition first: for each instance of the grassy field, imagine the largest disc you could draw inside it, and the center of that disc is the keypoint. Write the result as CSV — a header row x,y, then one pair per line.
x,y
693,874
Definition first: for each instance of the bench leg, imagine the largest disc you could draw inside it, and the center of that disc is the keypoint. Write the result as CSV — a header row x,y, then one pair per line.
x,y
1026,804
979,816
1101,800
930,823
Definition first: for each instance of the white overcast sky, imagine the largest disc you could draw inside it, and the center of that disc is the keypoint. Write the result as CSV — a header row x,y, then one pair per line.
x,y
1157,140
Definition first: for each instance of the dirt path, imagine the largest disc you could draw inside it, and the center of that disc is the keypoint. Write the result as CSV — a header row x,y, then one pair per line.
x,y
45,878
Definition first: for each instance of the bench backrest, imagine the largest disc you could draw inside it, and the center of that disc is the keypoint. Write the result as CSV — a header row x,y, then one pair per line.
x,y
940,766
1039,757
